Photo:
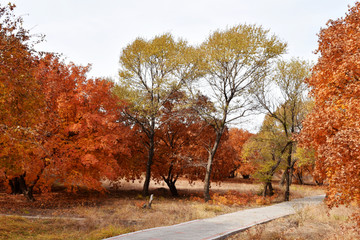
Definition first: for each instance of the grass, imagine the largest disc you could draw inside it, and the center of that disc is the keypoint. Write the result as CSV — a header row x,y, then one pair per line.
x,y
111,219
22,228
312,222
300,191
121,211
129,213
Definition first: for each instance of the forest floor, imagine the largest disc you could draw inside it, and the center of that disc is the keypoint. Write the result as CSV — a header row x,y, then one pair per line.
x,y
90,215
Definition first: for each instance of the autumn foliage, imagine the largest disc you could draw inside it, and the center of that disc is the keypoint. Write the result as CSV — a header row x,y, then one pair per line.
x,y
58,126
76,137
80,125
332,128
183,139
20,101
237,139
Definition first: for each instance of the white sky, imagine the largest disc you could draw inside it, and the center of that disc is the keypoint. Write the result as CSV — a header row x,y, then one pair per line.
x,y
95,31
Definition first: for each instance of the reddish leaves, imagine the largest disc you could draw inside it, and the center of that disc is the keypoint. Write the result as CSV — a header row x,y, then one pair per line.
x,y
81,125
333,128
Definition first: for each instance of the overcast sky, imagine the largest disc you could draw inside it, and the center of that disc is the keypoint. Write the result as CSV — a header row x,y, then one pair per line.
x,y
95,31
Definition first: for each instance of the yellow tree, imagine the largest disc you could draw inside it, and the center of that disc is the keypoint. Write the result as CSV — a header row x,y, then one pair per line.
x,y
286,108
234,59
150,72
266,151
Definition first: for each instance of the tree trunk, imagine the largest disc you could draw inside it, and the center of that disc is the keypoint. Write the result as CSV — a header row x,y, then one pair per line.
x,y
145,191
28,193
15,185
268,189
288,173
299,177
287,185
172,187
232,174
212,152
246,176
271,189
291,172
265,189
26,189
207,178
173,190
19,186
148,167
148,173
170,180
283,178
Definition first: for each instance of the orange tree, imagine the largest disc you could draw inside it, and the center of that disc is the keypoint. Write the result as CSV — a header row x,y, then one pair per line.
x,y
237,139
333,127
82,134
55,124
19,90
20,101
183,140
173,139
74,140
196,152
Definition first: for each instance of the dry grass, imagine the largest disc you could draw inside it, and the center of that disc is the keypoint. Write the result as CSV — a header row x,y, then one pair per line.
x,y
129,213
116,216
313,223
21,228
120,211
300,191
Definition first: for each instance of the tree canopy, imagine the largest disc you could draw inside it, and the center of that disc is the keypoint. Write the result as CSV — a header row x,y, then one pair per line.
x,y
171,112
289,108
151,71
234,60
332,128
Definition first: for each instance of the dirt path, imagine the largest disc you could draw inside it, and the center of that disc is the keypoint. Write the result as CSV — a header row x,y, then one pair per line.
x,y
224,225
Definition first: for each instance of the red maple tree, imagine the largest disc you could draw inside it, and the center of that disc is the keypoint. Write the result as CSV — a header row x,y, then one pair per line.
x,y
332,128
84,134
